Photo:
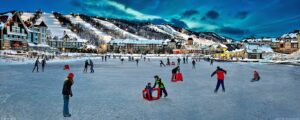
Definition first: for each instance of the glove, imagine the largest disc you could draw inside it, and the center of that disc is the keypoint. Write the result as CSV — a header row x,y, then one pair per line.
x,y
71,94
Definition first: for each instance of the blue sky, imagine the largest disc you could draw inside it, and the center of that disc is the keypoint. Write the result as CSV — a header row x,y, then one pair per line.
x,y
232,18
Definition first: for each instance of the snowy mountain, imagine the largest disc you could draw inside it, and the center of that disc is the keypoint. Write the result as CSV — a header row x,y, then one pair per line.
x,y
96,30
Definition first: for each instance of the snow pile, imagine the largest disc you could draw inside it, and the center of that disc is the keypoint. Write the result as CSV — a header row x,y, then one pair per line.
x,y
113,27
55,27
26,16
294,56
78,20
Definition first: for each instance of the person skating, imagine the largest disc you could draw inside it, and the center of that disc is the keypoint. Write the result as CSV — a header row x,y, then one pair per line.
x,y
43,64
187,59
183,58
211,61
161,85
36,65
92,66
149,88
105,58
178,61
256,76
174,71
122,60
67,93
220,76
162,63
86,64
137,62
168,61
144,59
194,64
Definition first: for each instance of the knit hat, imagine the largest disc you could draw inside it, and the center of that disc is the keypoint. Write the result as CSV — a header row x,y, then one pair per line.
x,y
66,67
71,75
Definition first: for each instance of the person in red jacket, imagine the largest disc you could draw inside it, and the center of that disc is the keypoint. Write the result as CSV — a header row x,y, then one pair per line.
x,y
220,76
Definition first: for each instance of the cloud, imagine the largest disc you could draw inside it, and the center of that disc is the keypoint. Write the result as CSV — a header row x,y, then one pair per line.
x,y
179,23
242,14
189,13
232,31
212,14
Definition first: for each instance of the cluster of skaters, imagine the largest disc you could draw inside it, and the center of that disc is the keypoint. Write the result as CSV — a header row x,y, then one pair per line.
x,y
158,85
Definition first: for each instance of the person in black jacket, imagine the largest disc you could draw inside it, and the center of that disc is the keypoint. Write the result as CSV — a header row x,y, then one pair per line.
x,y
86,64
43,64
174,71
67,93
92,66
36,65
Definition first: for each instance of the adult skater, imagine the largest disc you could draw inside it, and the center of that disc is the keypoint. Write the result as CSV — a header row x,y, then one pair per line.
x,y
144,59
137,62
168,61
36,65
178,61
92,66
220,76
43,64
194,64
187,59
162,63
174,71
256,76
183,58
105,58
67,93
161,85
211,61
122,60
86,64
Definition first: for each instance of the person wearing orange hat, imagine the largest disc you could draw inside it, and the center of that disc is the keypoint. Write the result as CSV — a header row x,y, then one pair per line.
x,y
67,93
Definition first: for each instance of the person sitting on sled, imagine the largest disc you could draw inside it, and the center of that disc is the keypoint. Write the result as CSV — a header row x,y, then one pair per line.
x,y
149,88
256,76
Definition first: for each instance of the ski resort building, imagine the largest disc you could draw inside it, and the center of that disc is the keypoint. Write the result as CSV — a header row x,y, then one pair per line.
x,y
66,43
288,43
134,46
13,32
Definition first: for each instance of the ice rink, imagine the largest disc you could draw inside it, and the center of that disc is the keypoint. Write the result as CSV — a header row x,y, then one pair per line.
x,y
114,91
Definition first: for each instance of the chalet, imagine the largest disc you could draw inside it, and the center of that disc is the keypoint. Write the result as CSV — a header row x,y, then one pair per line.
x,y
288,43
256,51
13,32
66,43
37,37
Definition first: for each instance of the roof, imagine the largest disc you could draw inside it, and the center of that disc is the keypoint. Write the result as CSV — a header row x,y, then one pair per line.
x,y
253,48
289,35
4,18
41,24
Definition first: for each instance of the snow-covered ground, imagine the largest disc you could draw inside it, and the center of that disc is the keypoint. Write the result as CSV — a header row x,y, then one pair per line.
x,y
26,16
55,27
114,92
112,26
78,20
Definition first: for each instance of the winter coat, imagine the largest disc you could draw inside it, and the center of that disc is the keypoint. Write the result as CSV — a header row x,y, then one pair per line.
x,y
220,74
159,83
67,87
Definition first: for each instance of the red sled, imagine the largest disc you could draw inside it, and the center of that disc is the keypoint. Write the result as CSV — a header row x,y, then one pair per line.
x,y
146,94
178,77
173,63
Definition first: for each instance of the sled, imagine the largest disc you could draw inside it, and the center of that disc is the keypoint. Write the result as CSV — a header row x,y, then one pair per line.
x,y
178,77
146,94
173,63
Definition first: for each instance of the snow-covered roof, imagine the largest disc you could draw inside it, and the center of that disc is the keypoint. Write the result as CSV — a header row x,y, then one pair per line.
x,y
26,16
289,35
252,48
4,18
130,41
37,45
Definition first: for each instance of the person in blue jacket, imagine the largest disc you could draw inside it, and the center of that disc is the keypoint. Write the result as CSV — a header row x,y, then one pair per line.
x,y
149,88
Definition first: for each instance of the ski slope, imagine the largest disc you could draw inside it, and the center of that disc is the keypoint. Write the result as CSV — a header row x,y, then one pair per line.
x,y
55,27
78,20
113,27
113,92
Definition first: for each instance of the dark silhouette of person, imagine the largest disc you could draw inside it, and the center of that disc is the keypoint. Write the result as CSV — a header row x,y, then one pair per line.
x,y
36,65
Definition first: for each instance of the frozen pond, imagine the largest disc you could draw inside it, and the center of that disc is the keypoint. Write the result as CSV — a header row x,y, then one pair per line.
x,y
114,92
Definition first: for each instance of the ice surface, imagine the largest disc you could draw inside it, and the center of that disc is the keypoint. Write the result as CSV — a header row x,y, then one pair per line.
x,y
114,92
